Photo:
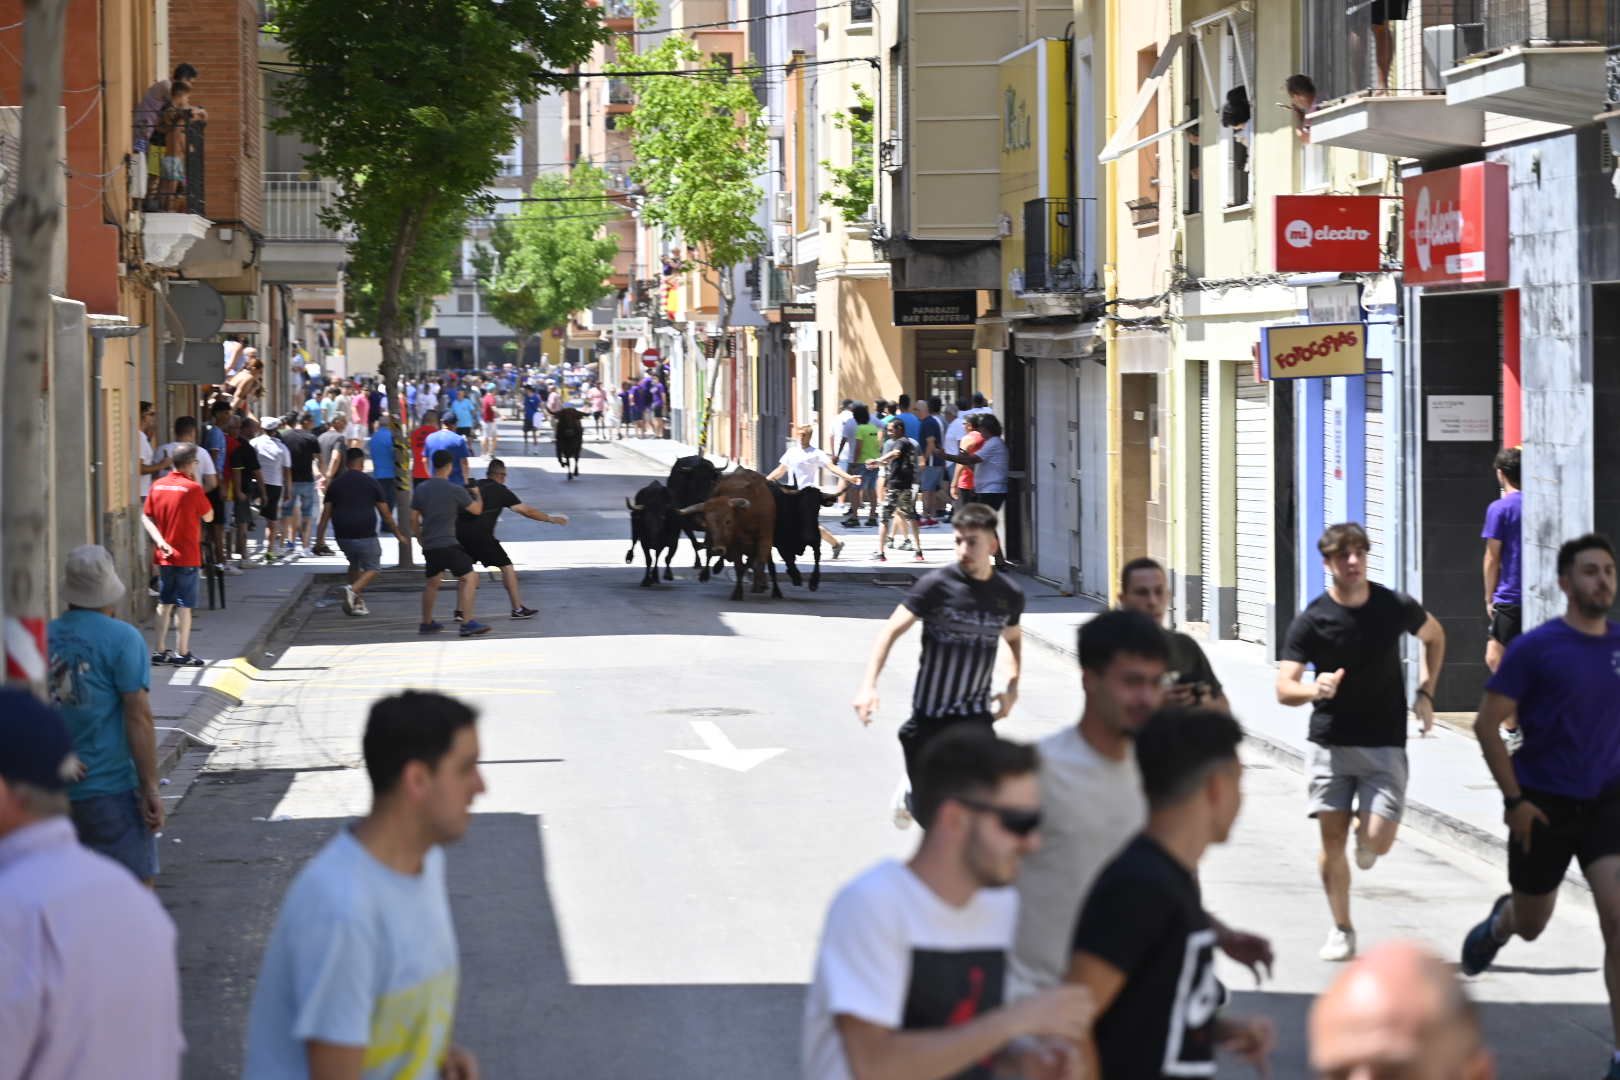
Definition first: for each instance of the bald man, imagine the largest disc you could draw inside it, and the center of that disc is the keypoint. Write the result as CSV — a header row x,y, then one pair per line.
x,y
1397,1011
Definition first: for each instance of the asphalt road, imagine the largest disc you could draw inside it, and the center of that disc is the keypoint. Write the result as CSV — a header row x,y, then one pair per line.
x,y
677,787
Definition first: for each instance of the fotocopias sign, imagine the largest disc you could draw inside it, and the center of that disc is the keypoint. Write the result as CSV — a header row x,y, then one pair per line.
x,y
1457,226
1313,350
1327,233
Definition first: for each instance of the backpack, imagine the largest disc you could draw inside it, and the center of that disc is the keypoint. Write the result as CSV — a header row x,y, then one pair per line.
x,y
903,469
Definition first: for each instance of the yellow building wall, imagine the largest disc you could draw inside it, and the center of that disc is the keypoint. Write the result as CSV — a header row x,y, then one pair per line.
x,y
1034,149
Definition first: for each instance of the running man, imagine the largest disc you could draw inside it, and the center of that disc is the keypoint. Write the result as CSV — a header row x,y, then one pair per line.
x,y
966,608
1503,546
1352,635
433,518
353,503
531,418
476,532
899,464
801,465
1561,790
1145,587
909,974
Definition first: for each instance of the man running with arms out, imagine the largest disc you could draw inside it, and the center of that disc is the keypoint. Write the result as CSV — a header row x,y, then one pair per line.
x,y
801,467
359,976
353,502
909,975
476,532
1144,945
1145,587
966,608
433,518
1562,789
1352,635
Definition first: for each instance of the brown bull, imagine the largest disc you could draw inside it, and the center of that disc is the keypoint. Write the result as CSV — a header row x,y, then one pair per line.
x,y
740,518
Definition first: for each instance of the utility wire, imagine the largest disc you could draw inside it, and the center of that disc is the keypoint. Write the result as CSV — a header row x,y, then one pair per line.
x,y
730,22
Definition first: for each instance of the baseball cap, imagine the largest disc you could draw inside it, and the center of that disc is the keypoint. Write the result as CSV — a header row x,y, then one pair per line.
x,y
35,746
270,423
89,578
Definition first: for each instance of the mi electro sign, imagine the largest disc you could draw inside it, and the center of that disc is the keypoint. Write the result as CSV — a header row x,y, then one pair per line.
x,y
1330,233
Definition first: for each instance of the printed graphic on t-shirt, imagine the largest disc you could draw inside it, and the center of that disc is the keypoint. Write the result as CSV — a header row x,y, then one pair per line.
x,y
948,989
1188,1049
410,1029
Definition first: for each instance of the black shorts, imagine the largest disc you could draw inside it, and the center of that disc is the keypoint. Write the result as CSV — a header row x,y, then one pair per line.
x,y
485,549
465,432
270,504
917,732
453,558
216,499
1384,11
528,423
1507,623
1585,830
995,500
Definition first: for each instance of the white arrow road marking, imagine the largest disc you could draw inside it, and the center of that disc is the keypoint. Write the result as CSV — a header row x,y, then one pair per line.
x,y
720,751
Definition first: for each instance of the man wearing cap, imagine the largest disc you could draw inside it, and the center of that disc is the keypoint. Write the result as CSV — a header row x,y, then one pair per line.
x,y
99,679
274,463
89,984
175,511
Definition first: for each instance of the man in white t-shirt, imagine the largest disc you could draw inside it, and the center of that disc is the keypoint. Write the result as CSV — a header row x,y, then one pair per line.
x,y
275,461
185,434
151,461
801,467
911,972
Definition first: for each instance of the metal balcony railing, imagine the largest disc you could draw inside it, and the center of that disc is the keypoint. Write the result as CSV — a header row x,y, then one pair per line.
x,y
179,186
1541,22
620,92
619,9
860,11
294,205
1055,234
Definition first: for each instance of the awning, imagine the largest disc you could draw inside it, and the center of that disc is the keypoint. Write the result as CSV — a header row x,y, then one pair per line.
x,y
1071,341
1118,145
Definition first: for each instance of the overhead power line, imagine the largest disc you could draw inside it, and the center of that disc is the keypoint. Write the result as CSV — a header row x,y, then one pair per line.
x,y
731,22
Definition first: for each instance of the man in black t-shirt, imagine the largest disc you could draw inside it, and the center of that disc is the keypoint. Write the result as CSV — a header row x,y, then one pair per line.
x,y
966,609
1145,587
248,482
1143,945
476,532
1352,635
353,503
302,447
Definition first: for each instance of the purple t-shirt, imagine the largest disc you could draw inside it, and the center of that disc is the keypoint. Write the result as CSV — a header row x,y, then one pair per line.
x,y
1502,523
1567,688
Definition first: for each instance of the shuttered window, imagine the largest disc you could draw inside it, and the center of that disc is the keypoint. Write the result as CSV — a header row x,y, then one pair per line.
x,y
1253,508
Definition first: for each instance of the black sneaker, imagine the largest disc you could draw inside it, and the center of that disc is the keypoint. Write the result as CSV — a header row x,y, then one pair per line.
x,y
164,656
524,613
458,616
1480,946
188,660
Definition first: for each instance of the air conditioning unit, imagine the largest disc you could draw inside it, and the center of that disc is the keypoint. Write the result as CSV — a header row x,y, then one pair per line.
x,y
784,253
1446,46
871,213
782,210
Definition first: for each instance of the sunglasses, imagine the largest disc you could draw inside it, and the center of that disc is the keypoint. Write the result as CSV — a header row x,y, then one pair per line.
x,y
1017,822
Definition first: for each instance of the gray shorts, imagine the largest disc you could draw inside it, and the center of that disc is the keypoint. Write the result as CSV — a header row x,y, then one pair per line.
x,y
1341,777
363,554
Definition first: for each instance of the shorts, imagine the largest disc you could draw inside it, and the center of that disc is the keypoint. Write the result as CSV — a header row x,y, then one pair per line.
x,y
995,500
1340,777
465,432
899,500
491,429
154,158
453,558
658,412
304,497
173,167
177,586
528,422
933,476
917,732
364,554
270,504
1583,829
1384,11
634,413
484,549
216,499
112,825
1507,623
242,511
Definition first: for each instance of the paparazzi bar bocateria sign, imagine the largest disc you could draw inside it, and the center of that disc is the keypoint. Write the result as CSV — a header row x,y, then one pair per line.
x,y
936,307
1307,351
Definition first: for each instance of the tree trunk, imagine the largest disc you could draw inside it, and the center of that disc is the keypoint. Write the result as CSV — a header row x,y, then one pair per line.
x,y
722,287
33,221
390,334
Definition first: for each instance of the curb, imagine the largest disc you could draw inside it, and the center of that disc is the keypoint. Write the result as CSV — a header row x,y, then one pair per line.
x,y
1435,824
228,682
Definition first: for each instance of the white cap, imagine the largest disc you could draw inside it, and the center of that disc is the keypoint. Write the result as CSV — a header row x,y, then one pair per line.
x,y
91,580
270,423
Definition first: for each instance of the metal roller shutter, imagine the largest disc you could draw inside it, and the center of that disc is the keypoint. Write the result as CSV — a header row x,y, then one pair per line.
x,y
1378,559
1206,493
1330,456
1253,510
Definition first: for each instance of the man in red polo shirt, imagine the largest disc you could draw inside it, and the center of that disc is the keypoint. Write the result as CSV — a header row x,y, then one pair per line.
x,y
176,509
419,467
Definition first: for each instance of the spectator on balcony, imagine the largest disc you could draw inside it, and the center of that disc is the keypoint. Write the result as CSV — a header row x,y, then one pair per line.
x,y
1385,12
246,387
152,103
172,134
1302,101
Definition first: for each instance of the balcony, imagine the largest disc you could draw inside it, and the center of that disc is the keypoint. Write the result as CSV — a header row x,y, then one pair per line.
x,y
300,246
1539,59
619,14
1056,273
174,202
860,11
620,92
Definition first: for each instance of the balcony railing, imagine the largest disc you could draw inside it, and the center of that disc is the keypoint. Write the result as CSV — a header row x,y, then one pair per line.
x,y
1507,23
179,186
294,205
1055,233
616,10
860,11
620,92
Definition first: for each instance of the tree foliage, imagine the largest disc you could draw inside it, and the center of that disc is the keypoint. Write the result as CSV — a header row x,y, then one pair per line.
x,y
852,184
407,105
552,258
700,147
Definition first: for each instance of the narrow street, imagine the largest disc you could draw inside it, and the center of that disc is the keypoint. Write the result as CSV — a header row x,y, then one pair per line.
x,y
676,788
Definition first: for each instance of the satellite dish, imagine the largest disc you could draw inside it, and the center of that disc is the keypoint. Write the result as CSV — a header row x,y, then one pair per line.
x,y
199,306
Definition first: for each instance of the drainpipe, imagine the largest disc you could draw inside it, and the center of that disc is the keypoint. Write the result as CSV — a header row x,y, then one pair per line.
x,y
1111,278
102,327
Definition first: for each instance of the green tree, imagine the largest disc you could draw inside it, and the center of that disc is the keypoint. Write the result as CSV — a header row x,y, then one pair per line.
x,y
852,184
407,106
553,257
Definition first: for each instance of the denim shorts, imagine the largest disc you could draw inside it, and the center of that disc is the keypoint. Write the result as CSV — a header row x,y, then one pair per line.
x,y
304,497
112,826
363,554
177,585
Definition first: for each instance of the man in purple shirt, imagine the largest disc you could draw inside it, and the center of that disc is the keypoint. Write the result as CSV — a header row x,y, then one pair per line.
x,y
1502,547
89,984
1561,791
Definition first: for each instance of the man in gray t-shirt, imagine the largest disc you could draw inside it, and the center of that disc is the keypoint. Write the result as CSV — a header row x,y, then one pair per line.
x,y
434,504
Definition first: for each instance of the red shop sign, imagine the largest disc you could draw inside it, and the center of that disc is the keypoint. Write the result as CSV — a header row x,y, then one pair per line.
x,y
1327,232
1457,226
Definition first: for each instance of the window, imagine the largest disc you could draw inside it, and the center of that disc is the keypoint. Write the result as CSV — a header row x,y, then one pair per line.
x,y
1147,158
1234,63
464,303
1192,201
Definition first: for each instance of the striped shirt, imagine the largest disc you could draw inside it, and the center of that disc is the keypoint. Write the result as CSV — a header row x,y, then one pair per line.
x,y
962,622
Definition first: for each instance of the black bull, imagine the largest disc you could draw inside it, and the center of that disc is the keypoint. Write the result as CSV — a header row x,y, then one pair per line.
x,y
569,428
656,526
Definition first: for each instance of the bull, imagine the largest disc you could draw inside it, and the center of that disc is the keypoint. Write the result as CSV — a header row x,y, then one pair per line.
x,y
656,526
691,481
740,519
798,526
569,434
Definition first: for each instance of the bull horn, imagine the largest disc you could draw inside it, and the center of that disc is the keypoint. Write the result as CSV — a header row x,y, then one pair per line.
x,y
695,508
739,504
634,506
727,465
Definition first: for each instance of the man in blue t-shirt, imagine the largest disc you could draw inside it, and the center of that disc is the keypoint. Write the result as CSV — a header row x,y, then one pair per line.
x,y
930,438
1503,616
448,438
531,418
99,676
1562,790
465,412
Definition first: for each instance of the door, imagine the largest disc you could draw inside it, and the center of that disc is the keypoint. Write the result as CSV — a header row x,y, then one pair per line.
x,y
1050,470
1253,505
1091,411
1208,538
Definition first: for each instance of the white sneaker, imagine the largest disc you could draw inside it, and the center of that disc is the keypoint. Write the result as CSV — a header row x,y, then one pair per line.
x,y
901,812
230,570
360,607
1340,945
348,600
305,553
1365,855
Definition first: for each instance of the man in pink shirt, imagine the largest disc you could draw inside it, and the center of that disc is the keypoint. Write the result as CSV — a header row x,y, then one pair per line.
x,y
359,416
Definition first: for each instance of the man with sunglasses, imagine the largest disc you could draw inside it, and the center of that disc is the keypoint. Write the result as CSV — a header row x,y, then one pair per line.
x,y
910,974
